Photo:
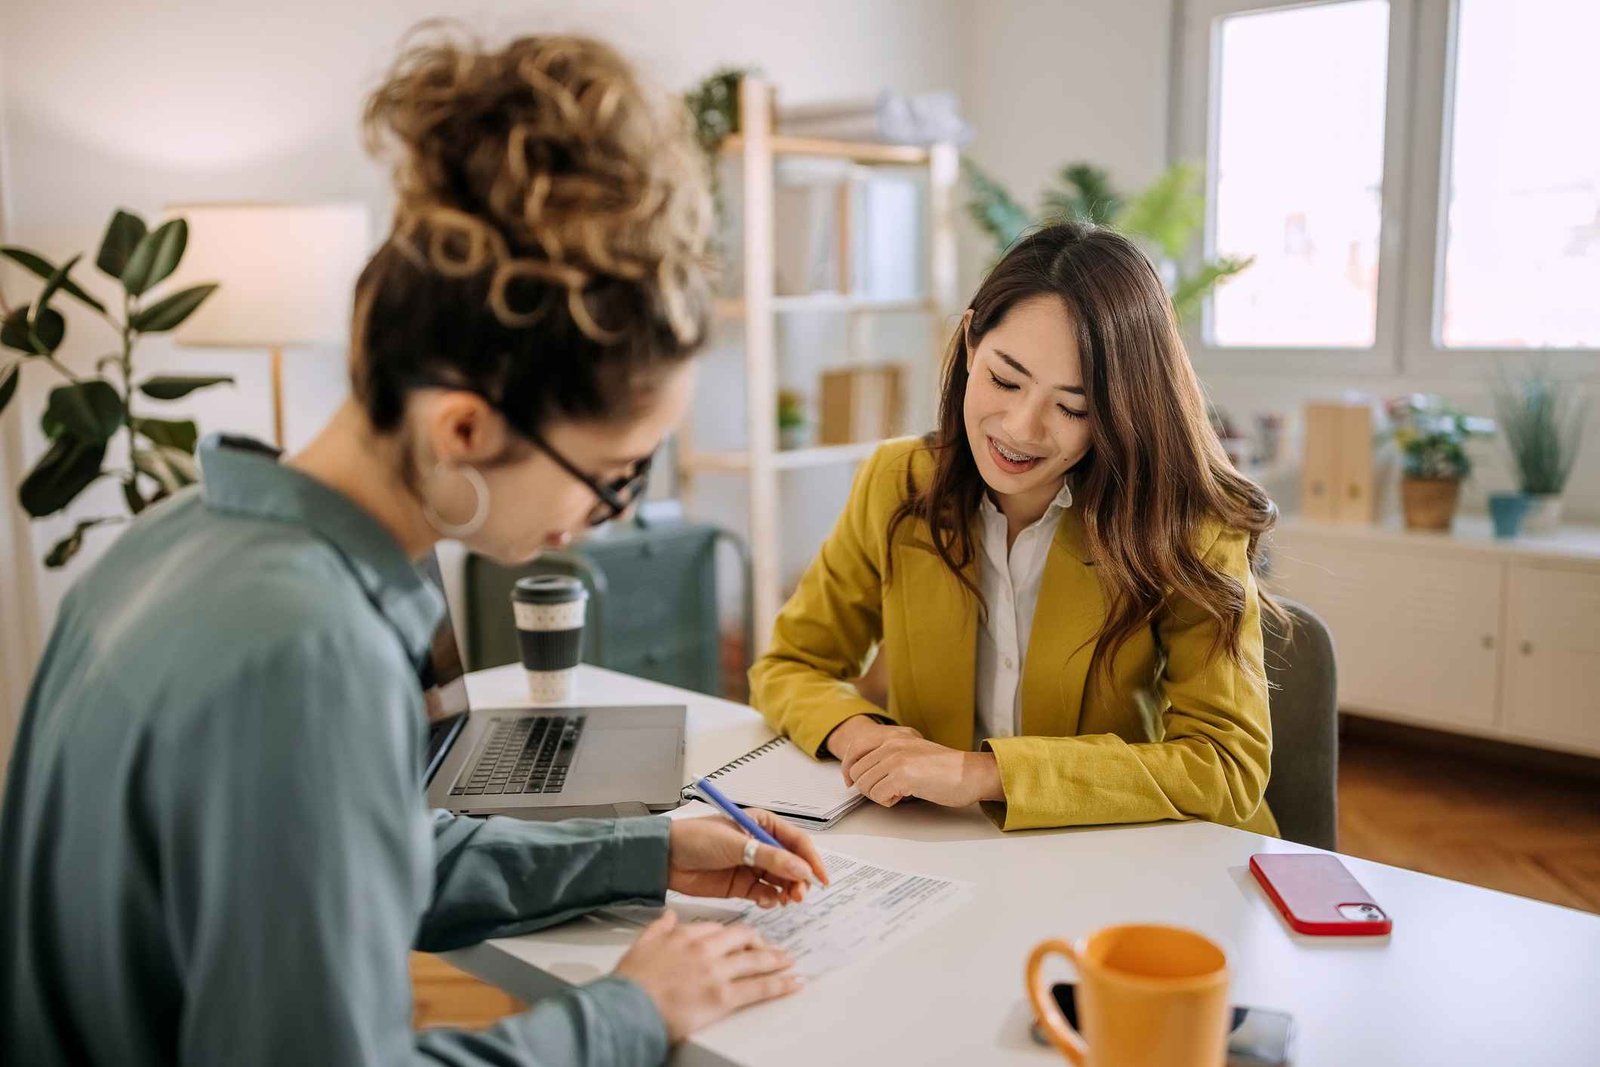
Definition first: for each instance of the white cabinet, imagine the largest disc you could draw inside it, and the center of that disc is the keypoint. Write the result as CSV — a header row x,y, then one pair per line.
x,y
1458,632
1552,683
1415,634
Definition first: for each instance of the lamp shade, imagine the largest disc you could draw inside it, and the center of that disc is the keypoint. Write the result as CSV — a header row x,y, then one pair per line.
x,y
287,272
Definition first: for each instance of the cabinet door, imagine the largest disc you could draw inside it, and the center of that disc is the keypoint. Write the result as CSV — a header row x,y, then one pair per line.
x,y
1553,662
1416,635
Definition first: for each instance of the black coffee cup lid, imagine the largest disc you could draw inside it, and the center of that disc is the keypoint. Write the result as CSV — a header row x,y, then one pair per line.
x,y
548,589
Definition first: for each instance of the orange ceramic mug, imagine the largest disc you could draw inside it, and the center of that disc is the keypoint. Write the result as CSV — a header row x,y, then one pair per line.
x,y
1148,996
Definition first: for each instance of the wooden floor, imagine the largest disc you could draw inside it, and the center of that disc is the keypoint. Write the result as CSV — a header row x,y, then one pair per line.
x,y
1495,817
1514,820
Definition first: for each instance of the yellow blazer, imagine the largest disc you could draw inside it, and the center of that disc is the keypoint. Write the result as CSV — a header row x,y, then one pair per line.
x,y
1184,735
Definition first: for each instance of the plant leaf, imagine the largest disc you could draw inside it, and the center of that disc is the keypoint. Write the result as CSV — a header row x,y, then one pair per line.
x,y
171,468
123,235
88,411
169,312
8,383
1191,289
135,499
173,386
993,207
44,269
37,338
1085,195
155,257
1169,211
181,434
68,546
64,471
184,463
53,284
14,332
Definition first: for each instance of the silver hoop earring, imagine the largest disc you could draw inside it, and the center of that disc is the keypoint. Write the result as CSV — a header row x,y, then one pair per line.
x,y
480,507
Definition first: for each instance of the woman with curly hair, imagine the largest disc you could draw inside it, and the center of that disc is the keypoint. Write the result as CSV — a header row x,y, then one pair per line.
x,y
1062,576
214,846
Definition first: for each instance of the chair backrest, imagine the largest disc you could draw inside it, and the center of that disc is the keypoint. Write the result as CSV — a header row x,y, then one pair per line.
x,y
652,603
1303,789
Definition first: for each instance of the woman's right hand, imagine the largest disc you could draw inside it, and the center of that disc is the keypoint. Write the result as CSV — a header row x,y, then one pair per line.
x,y
697,973
857,736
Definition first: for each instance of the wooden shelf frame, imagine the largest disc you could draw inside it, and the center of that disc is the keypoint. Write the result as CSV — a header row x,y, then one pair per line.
x,y
756,150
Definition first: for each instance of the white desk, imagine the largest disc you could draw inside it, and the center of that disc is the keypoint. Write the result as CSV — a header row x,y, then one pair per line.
x,y
1470,976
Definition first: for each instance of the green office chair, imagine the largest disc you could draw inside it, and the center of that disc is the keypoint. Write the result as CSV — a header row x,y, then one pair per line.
x,y
1303,790
652,602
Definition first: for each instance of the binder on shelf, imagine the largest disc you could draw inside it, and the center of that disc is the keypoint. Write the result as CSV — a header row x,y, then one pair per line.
x,y
1337,478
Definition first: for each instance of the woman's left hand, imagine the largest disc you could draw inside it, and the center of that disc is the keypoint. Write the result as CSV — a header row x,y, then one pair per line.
x,y
903,767
705,858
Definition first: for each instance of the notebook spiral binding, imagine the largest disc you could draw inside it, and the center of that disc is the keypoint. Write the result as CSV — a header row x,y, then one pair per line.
x,y
732,765
749,757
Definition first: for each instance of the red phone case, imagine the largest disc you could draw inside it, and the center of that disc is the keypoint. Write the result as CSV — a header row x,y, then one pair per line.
x,y
1310,887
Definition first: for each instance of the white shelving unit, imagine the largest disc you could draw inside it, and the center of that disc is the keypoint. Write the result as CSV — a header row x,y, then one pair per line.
x,y
757,149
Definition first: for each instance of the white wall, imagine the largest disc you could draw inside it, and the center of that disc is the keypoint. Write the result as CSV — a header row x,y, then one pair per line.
x,y
111,104
1051,82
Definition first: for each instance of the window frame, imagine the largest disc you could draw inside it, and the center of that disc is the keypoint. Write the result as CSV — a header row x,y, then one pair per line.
x,y
1412,233
1427,233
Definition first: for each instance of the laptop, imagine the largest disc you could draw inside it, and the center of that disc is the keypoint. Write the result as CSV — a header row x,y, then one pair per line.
x,y
545,762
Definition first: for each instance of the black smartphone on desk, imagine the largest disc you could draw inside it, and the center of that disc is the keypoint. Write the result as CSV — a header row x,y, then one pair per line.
x,y
1257,1037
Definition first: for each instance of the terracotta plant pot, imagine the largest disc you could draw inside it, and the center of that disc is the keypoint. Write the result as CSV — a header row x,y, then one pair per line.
x,y
1430,503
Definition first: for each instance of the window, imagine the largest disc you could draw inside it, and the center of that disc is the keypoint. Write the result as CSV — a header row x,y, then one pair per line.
x,y
1297,171
1447,142
1521,264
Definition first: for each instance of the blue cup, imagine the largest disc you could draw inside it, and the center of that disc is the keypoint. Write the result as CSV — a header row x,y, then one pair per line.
x,y
1508,510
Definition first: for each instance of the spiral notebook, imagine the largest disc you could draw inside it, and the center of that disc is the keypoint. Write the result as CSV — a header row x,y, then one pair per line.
x,y
784,780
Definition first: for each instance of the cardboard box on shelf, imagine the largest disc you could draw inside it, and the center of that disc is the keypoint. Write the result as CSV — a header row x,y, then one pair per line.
x,y
863,403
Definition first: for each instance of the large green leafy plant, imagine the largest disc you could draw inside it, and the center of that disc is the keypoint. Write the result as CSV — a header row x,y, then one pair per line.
x,y
84,415
1164,217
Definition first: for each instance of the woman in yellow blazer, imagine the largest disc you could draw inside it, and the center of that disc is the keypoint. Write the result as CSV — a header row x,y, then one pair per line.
x,y
1061,576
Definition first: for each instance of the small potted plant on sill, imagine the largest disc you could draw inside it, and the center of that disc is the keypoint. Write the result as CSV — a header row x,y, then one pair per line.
x,y
1543,427
1431,435
794,425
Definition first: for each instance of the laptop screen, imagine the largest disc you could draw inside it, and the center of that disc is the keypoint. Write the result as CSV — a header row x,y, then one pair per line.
x,y
444,679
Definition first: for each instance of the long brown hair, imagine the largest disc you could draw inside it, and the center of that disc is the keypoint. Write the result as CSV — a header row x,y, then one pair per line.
x,y
1155,472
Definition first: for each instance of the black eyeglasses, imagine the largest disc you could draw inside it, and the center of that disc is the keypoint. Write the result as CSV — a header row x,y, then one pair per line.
x,y
615,496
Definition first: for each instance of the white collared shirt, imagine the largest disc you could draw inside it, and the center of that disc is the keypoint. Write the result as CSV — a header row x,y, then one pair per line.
x,y
1010,584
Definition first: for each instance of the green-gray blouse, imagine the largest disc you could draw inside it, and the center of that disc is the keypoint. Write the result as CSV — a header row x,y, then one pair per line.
x,y
214,846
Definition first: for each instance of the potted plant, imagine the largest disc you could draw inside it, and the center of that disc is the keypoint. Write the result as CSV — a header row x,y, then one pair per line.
x,y
87,413
1543,426
1164,217
794,425
1431,436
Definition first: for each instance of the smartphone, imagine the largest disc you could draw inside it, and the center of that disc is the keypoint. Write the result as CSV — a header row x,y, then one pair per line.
x,y
1317,895
1256,1038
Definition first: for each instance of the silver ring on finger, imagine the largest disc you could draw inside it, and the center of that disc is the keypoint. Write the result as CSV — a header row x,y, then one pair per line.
x,y
749,857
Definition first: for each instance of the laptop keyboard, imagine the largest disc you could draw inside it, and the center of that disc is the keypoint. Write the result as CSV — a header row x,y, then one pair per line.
x,y
529,755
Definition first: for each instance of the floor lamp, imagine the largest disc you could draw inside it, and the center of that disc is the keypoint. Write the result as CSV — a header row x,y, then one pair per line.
x,y
286,274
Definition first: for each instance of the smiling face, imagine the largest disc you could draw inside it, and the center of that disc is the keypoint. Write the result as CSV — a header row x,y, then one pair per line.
x,y
1026,416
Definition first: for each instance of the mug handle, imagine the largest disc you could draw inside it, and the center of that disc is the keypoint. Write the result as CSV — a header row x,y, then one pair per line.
x,y
1045,1009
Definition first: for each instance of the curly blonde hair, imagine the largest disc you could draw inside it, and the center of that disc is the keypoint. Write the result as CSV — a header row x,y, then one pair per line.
x,y
549,244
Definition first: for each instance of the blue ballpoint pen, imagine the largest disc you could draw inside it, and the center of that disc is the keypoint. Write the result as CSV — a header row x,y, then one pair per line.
x,y
716,797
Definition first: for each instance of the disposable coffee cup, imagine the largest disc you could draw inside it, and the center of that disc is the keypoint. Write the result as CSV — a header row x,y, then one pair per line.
x,y
549,610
